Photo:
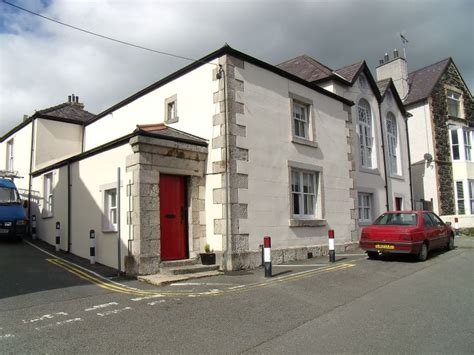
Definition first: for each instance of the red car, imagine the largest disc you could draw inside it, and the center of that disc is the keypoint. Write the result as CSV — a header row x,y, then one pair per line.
x,y
406,232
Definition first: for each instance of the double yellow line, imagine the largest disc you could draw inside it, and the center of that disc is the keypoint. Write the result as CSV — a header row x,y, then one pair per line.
x,y
105,284
116,287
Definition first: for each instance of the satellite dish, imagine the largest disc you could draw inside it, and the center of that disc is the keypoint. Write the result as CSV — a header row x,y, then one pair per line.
x,y
428,157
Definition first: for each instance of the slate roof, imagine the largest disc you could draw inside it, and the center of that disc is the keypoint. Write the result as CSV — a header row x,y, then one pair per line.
x,y
160,130
422,81
70,112
67,111
350,71
306,68
383,85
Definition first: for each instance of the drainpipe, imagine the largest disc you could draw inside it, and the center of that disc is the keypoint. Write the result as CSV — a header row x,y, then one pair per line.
x,y
409,161
30,179
384,157
68,208
227,177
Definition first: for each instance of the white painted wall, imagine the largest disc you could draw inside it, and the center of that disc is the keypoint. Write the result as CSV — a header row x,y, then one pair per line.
x,y
88,179
56,141
22,152
268,120
195,109
399,183
46,226
369,181
421,142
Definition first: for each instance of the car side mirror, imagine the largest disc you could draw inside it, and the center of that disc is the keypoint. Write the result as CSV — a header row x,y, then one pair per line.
x,y
25,204
449,223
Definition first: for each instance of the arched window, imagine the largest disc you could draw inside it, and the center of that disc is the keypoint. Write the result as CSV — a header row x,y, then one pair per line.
x,y
364,122
392,137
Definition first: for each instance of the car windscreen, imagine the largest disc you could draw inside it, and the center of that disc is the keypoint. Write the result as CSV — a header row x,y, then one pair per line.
x,y
397,219
9,195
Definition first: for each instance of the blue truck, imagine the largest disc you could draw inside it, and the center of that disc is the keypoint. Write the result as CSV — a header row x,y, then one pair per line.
x,y
13,221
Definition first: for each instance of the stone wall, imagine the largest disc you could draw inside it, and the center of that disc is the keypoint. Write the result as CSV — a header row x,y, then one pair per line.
x,y
152,156
439,113
236,244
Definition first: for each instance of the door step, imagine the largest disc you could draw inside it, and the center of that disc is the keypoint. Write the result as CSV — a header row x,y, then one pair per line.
x,y
188,269
176,263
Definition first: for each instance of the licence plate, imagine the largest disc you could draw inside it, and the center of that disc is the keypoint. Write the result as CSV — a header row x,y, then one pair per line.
x,y
4,231
384,246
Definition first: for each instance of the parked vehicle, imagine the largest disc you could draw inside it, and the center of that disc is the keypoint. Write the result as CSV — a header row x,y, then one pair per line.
x,y
407,232
13,221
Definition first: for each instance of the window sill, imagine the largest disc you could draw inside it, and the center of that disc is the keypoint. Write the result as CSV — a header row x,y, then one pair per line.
x,y
364,223
47,216
307,222
173,120
397,177
108,231
303,141
369,171
455,118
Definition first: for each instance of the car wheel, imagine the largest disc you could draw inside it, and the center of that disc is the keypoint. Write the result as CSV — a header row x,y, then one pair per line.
x,y
373,255
450,245
423,254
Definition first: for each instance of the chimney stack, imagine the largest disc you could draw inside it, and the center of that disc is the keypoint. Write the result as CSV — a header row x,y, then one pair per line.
x,y
397,70
69,98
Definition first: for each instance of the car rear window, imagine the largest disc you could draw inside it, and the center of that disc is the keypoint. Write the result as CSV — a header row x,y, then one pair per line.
x,y
397,219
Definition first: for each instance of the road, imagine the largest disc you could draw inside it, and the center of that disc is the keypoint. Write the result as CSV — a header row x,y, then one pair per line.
x,y
354,306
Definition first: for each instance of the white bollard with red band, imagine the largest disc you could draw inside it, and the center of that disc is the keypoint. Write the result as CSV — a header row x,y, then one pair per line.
x,y
267,256
58,235
332,251
92,246
33,226
456,226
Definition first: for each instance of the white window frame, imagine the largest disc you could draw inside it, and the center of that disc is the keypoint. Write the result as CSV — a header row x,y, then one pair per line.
x,y
467,144
301,117
455,146
171,109
108,224
393,147
10,163
365,133
297,184
471,196
460,139
48,195
365,203
460,200
454,97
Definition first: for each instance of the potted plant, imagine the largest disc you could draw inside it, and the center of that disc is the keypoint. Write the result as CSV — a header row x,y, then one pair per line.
x,y
208,257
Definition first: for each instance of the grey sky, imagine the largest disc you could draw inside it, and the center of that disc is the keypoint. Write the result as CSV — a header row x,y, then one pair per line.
x,y
42,62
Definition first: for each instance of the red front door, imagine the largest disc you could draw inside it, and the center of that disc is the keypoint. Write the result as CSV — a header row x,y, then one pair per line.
x,y
173,224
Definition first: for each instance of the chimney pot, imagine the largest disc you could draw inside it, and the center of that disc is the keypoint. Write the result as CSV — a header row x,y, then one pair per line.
x,y
381,61
386,57
395,53
69,98
77,99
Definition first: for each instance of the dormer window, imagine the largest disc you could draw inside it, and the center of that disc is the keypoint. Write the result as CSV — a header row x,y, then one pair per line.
x,y
454,103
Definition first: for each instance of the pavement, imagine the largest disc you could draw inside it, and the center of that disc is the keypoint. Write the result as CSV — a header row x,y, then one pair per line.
x,y
243,277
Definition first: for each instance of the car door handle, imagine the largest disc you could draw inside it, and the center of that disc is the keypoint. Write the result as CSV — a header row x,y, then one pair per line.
x,y
170,216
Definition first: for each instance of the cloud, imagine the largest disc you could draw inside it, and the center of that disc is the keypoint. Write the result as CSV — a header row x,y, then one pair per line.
x,y
42,62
